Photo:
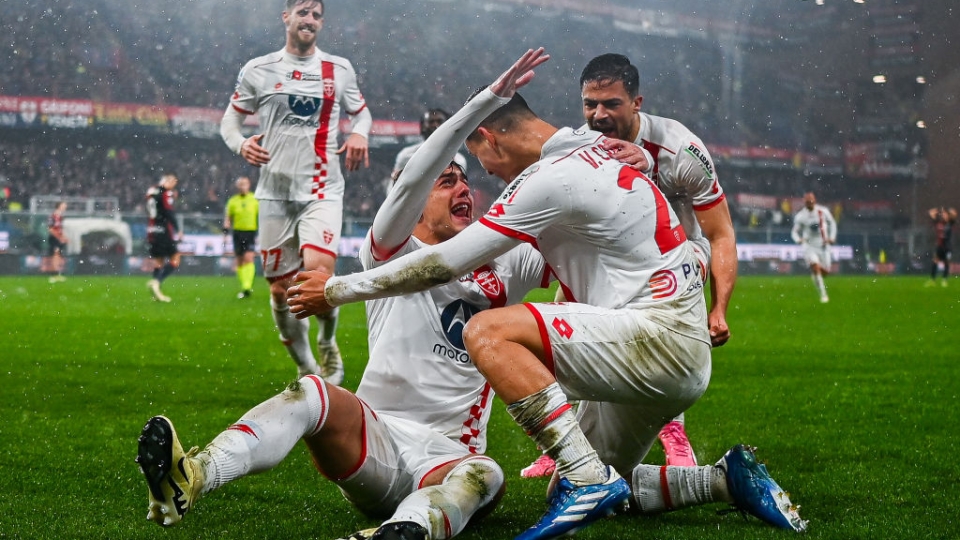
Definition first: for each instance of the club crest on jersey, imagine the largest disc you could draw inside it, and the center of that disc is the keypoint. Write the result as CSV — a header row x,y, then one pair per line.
x,y
328,88
489,282
327,236
303,105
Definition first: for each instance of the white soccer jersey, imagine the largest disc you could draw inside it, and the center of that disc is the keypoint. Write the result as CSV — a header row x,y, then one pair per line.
x,y
419,368
682,169
299,101
606,231
814,227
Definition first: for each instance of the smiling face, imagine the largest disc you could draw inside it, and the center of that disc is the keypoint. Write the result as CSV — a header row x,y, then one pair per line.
x,y
449,207
609,109
303,21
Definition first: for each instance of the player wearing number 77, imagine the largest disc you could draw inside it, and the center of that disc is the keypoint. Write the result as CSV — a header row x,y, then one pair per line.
x,y
631,344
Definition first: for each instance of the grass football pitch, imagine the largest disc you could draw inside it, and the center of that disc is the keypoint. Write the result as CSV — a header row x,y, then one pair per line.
x,y
852,405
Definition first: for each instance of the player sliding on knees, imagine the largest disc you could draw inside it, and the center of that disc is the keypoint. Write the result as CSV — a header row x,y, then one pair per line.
x,y
631,343
398,449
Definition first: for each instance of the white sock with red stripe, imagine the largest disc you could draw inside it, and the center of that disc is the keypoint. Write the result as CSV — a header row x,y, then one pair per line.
x,y
658,488
445,509
262,437
295,334
548,418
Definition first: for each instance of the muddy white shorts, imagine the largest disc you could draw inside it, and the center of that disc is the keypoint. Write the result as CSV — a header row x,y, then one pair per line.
x,y
399,454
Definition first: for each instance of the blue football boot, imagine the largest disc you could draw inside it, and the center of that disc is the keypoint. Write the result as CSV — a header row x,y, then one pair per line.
x,y
572,508
755,493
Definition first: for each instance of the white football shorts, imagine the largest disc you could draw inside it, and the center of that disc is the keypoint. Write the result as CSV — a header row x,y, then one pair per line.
x,y
819,255
632,369
289,227
399,454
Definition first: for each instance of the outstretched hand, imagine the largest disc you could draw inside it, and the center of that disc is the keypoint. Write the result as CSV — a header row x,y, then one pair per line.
x,y
308,296
519,74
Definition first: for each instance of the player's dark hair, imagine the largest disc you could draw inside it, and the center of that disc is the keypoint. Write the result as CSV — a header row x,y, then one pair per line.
x,y
609,68
293,3
506,117
431,113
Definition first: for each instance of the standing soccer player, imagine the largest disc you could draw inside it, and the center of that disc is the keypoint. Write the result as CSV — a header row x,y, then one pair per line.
x,y
815,229
240,216
682,168
163,233
409,445
56,242
632,343
942,220
298,94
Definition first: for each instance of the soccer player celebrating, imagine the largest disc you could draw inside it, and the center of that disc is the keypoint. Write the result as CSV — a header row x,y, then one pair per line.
x,y
163,233
682,168
397,449
240,215
631,344
815,229
298,94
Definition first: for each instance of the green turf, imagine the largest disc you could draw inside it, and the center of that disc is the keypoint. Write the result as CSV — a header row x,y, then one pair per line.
x,y
853,406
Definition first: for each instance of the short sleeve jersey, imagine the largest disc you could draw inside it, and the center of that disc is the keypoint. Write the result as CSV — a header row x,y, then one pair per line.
x,y
814,227
682,169
243,210
419,368
162,219
606,231
299,102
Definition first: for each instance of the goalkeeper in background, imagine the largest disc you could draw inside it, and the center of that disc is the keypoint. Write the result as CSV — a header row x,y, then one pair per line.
x,y
240,216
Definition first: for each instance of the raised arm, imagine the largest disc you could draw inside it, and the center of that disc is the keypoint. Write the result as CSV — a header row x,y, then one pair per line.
x,y
401,210
318,292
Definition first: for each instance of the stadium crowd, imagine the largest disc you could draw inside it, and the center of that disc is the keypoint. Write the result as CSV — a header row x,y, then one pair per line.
x,y
408,58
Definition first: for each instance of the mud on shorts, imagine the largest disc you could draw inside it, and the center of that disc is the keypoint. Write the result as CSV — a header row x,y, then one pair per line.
x,y
399,454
